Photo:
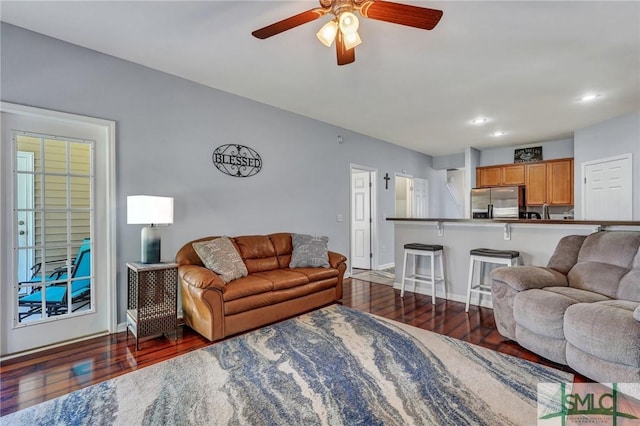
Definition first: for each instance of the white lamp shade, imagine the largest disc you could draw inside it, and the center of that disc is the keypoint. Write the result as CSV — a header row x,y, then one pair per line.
x,y
327,33
348,23
148,209
352,40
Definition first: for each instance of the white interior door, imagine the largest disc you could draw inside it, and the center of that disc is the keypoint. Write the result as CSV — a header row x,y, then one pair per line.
x,y
361,220
403,195
420,198
56,136
608,191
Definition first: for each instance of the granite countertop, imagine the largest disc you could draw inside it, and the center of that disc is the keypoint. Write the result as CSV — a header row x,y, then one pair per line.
x,y
519,221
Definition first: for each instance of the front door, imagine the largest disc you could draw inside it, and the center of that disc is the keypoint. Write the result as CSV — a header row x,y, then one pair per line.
x,y
55,216
608,189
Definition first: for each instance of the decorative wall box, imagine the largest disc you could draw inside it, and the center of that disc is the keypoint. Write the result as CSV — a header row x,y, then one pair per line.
x,y
524,155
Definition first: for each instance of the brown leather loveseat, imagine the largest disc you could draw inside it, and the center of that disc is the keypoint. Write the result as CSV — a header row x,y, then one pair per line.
x,y
272,291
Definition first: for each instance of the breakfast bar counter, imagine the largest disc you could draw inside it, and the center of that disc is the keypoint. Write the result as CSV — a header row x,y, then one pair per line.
x,y
534,239
480,222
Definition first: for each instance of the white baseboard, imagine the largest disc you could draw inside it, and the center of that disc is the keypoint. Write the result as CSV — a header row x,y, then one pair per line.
x,y
386,266
485,302
52,346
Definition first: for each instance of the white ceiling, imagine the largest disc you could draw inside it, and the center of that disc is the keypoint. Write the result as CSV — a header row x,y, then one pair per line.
x,y
522,64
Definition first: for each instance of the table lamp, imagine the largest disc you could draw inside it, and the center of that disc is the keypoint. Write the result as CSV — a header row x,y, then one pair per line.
x,y
152,211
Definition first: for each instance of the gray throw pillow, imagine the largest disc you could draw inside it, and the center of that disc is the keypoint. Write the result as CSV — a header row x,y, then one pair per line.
x,y
221,257
308,251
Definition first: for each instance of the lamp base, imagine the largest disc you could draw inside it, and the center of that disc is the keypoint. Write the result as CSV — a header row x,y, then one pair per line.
x,y
150,244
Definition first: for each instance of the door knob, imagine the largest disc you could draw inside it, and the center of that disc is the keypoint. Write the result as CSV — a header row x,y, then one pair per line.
x,y
21,222
21,233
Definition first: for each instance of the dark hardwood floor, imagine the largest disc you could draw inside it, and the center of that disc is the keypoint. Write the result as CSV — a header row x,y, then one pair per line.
x,y
32,379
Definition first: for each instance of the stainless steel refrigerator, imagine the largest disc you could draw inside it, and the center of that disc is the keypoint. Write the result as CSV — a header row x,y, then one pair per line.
x,y
498,202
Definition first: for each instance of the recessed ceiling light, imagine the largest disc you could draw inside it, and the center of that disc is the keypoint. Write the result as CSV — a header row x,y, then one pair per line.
x,y
480,120
588,97
497,133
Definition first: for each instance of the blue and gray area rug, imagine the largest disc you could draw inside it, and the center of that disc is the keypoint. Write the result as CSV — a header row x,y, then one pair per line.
x,y
332,366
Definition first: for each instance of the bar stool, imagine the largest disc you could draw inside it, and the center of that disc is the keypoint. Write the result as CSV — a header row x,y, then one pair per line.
x,y
428,250
485,255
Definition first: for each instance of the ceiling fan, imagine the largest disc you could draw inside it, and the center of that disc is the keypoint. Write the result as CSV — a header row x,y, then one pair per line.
x,y
343,27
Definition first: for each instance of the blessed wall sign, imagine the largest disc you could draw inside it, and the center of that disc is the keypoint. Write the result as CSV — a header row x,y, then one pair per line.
x,y
237,160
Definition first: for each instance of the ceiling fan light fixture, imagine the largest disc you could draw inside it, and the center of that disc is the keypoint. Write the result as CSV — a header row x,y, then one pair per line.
x,y
348,23
327,33
343,28
352,40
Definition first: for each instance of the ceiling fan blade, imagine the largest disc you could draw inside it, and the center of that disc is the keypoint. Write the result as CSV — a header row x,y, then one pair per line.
x,y
403,14
291,22
345,56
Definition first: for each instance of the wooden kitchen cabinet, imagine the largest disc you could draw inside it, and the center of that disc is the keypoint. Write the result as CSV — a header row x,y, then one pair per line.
x,y
550,182
506,175
546,182
513,175
536,184
488,176
560,182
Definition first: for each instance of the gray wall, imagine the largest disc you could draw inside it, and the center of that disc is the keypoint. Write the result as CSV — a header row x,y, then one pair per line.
x,y
452,161
441,203
168,127
620,135
551,150
471,161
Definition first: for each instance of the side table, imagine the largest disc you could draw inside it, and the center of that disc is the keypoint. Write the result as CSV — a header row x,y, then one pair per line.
x,y
152,299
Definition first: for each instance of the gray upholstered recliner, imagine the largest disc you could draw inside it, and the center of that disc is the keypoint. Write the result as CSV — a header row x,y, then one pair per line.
x,y
582,310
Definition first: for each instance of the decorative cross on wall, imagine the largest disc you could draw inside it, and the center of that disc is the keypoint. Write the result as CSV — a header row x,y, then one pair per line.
x,y
386,180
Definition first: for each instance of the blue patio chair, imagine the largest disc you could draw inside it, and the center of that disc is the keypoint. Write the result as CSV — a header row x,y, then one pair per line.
x,y
59,272
56,296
